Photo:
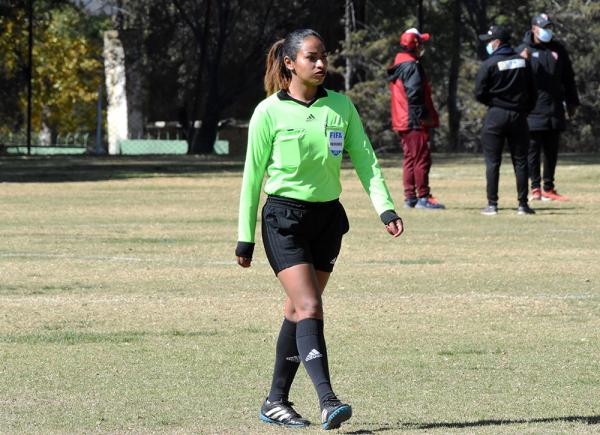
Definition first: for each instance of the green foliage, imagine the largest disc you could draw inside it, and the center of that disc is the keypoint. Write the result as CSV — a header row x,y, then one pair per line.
x,y
67,72
67,67
201,59
579,28
371,95
375,42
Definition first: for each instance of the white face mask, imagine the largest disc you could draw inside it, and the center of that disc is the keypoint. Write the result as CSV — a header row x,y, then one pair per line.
x,y
489,48
544,35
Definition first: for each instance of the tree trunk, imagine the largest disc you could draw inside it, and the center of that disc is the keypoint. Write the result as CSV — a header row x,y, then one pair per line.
x,y
348,28
420,19
134,79
204,141
453,111
210,120
208,133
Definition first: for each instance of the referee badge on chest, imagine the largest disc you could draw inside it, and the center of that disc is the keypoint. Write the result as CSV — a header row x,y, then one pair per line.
x,y
336,142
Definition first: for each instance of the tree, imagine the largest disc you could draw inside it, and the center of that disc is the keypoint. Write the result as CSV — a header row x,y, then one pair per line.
x,y
454,114
578,26
228,60
208,55
13,64
66,67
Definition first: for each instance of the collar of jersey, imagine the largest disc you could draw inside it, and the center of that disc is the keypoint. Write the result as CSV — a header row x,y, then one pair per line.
x,y
504,49
283,96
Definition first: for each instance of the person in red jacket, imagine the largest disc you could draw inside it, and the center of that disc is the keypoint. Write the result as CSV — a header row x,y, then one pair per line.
x,y
413,115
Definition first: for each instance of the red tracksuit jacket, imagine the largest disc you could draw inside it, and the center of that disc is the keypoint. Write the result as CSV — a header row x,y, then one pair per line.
x,y
411,95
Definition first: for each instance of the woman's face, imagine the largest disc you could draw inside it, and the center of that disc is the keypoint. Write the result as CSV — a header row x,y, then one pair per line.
x,y
310,66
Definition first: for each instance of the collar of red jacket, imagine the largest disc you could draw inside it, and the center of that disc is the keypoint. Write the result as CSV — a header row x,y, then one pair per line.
x,y
404,56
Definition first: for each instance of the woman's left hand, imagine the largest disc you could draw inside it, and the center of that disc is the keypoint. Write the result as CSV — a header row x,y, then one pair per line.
x,y
395,227
244,262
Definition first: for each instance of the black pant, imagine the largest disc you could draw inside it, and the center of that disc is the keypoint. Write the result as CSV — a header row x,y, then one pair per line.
x,y
546,141
505,125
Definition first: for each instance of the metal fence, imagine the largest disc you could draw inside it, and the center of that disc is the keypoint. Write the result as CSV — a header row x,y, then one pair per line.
x,y
68,143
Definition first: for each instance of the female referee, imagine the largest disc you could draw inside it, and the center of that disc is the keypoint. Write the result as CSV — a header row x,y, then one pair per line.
x,y
297,135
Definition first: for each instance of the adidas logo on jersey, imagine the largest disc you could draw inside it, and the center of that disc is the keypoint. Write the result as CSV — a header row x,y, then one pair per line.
x,y
310,117
295,359
313,354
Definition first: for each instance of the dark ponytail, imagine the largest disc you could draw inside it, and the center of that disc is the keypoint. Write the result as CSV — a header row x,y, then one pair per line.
x,y
277,76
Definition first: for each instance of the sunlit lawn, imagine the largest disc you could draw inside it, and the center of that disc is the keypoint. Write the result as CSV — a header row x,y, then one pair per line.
x,y
121,308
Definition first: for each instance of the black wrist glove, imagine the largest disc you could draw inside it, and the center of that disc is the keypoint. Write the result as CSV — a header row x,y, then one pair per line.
x,y
388,216
244,249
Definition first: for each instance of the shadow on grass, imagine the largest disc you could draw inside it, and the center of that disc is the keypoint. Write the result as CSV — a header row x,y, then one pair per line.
x,y
392,159
32,169
49,169
590,420
74,337
542,211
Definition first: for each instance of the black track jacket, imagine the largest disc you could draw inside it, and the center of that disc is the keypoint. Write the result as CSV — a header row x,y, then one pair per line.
x,y
505,80
555,82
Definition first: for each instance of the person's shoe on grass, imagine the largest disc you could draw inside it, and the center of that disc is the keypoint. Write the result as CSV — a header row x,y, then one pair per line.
x,y
553,195
490,210
536,194
282,413
429,203
334,413
410,202
524,209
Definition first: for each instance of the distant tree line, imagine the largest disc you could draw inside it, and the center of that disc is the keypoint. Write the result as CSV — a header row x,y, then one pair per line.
x,y
203,59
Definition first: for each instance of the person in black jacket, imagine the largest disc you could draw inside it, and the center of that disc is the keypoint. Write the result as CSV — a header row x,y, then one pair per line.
x,y
555,83
504,83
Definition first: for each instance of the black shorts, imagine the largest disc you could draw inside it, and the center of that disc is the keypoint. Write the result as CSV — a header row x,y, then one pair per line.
x,y
296,232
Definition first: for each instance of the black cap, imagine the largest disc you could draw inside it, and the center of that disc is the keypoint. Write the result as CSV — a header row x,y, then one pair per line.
x,y
495,32
541,20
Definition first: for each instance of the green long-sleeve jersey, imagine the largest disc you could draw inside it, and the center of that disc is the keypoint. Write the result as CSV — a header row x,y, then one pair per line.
x,y
300,147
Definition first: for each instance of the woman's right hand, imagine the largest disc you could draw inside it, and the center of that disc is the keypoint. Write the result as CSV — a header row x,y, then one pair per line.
x,y
244,262
243,253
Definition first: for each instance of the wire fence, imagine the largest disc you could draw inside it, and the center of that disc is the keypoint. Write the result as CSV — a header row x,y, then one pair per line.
x,y
67,143
66,140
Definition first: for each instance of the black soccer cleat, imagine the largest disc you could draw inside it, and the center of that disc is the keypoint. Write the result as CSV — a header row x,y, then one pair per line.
x,y
281,413
525,210
334,413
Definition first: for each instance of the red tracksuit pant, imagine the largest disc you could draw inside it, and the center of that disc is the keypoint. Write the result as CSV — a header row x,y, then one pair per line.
x,y
416,164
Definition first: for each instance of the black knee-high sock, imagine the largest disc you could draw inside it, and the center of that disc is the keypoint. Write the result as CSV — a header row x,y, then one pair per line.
x,y
287,361
311,345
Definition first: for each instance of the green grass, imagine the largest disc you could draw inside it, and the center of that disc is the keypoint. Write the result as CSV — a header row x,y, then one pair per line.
x,y
122,310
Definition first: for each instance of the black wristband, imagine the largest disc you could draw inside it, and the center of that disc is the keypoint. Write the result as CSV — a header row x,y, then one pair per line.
x,y
244,249
388,216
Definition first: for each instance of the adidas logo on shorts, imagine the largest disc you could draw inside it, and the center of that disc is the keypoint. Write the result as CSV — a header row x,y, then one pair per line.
x,y
313,354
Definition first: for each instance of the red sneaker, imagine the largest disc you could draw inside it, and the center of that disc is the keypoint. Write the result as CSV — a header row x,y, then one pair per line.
x,y
552,195
536,194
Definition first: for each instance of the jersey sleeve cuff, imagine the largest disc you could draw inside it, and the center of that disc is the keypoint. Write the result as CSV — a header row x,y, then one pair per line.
x,y
244,249
388,216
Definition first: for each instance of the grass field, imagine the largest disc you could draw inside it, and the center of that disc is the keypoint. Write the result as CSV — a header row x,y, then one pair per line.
x,y
121,308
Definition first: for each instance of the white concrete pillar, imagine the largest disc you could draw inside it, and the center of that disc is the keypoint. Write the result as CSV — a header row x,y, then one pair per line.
x,y
114,70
